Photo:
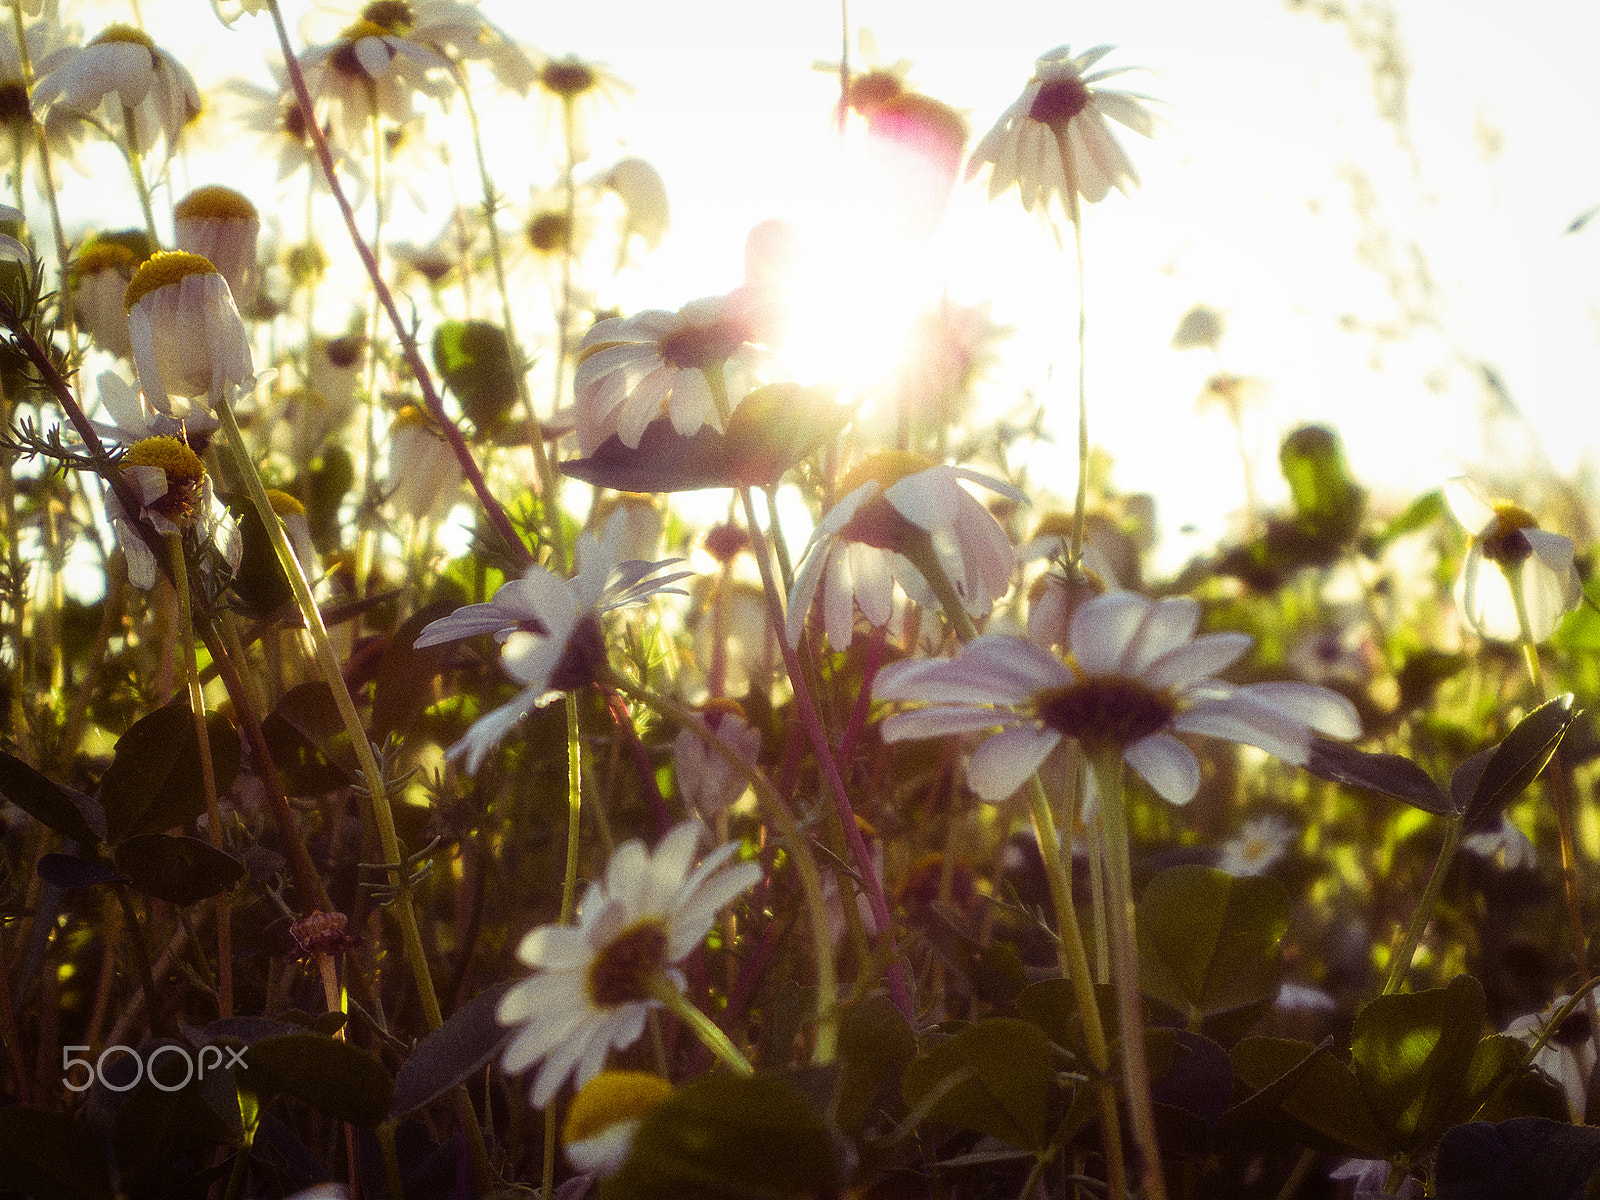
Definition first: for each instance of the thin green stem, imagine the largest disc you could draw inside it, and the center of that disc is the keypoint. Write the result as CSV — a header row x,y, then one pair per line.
x,y
1075,214
569,885
1423,913
921,554
136,168
703,1027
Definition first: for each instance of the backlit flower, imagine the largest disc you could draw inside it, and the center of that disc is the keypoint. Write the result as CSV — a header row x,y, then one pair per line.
x,y
1508,553
707,783
858,552
644,201
550,633
597,1134
222,226
188,340
632,370
424,472
143,88
283,133
462,33
1057,131
372,69
1136,676
100,276
596,981
581,86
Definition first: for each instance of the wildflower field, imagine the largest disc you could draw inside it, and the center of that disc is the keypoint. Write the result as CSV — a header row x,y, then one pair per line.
x,y
466,735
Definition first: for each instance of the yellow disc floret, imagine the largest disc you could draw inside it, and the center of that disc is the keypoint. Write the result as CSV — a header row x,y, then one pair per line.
x,y
162,269
284,504
123,33
393,16
215,203
168,453
362,29
106,256
611,1097
886,468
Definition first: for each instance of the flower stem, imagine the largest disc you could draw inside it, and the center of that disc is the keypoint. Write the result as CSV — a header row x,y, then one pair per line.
x,y
1075,215
1401,963
922,555
569,887
703,1026
1106,763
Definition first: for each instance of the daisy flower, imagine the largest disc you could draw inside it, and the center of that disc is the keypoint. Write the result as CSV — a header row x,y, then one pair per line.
x,y
282,133
424,473
1136,676
1055,137
859,549
1508,554
372,69
101,272
632,370
222,226
462,33
549,631
643,193
1257,846
1503,843
596,981
144,87
707,784
581,86
188,340
598,1131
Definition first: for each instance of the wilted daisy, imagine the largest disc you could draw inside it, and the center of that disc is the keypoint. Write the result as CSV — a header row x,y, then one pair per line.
x,y
888,504
424,472
143,88
189,342
222,226
1057,131
462,33
646,213
598,1131
1136,675
707,783
101,273
632,370
1508,553
549,631
597,980
372,69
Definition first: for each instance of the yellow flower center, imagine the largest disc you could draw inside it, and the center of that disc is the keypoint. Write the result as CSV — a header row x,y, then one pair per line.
x,y
362,29
284,504
392,16
184,473
412,417
125,34
611,1097
163,269
877,522
1105,711
215,203
722,706
621,973
567,77
1059,100
1505,543
106,256
549,232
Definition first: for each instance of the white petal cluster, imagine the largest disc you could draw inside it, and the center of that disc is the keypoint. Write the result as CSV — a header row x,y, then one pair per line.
x,y
1127,639
535,619
189,342
125,72
850,573
1509,553
1058,125
369,71
561,1021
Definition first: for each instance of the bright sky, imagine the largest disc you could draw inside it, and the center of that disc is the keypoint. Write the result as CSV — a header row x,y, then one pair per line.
x,y
1364,267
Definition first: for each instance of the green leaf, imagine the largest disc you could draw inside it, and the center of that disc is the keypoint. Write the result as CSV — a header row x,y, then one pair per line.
x,y
1326,499
1310,1084
153,782
994,1077
190,1109
726,1137
46,1153
1413,1055
1386,774
336,1077
326,484
451,1053
69,813
1519,758
404,684
179,870
474,358
1524,1159
1208,941
875,1044
1422,511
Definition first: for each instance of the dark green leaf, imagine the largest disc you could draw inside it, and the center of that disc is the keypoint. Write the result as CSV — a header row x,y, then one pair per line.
x,y
69,813
153,782
475,360
179,870
190,1109
993,1077
451,1053
323,491
726,1137
49,1154
1311,1085
1524,1159
1519,758
1386,774
875,1044
68,871
1325,497
404,684
336,1077
1208,941
1413,1055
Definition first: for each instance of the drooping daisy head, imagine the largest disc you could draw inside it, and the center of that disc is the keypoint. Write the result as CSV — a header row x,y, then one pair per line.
x,y
144,90
598,1131
222,226
373,69
101,273
189,343
1054,142
1510,561
596,981
1135,676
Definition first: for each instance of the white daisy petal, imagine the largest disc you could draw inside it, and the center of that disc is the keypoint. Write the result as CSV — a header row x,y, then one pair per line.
x,y
1003,763
1167,765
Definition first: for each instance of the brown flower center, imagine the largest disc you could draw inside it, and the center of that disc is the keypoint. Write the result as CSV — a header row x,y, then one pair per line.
x,y
1505,542
584,661
393,15
1105,710
622,971
1059,100
14,107
567,77
696,347
549,232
